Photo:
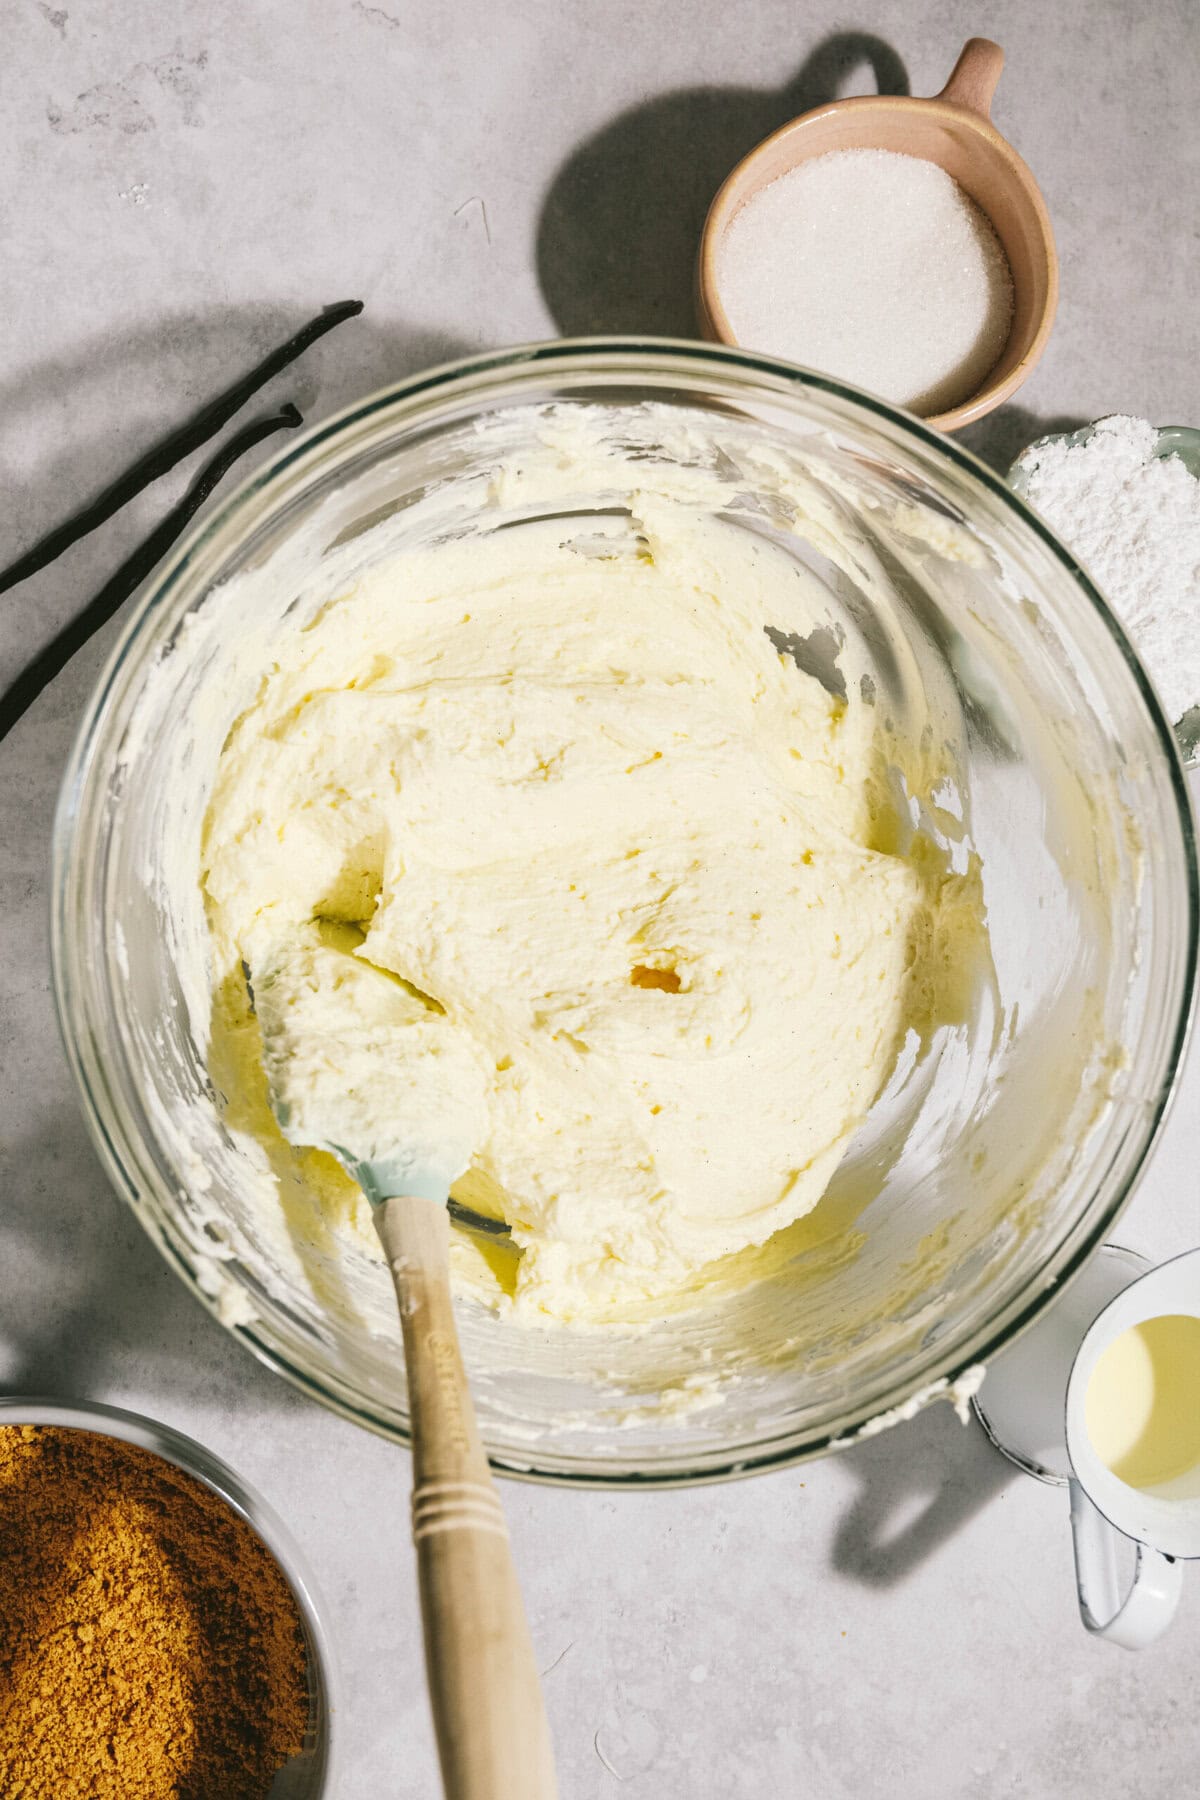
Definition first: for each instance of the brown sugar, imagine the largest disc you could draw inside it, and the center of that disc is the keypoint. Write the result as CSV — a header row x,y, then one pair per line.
x,y
150,1647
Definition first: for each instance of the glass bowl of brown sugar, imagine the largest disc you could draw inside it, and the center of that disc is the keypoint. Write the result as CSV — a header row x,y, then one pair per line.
x,y
159,1631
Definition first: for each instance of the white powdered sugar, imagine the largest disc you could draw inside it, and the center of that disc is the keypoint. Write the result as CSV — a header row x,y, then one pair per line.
x,y
1133,520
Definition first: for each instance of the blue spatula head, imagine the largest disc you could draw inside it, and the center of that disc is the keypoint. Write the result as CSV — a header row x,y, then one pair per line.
x,y
398,1174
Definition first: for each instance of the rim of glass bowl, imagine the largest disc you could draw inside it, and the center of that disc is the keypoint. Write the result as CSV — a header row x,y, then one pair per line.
x,y
420,398
243,1499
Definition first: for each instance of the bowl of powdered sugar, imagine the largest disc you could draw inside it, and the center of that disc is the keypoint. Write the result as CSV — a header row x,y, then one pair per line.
x,y
897,243
1124,497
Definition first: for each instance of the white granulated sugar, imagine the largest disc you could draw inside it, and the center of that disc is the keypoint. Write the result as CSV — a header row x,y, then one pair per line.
x,y
875,267
1133,521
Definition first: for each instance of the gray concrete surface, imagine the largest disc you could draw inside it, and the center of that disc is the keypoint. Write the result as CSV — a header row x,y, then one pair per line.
x,y
180,186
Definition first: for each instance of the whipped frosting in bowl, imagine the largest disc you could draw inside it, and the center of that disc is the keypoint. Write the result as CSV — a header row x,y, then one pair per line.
x,y
641,879
529,692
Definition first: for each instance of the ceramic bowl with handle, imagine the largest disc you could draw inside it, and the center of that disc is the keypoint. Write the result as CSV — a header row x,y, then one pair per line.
x,y
953,129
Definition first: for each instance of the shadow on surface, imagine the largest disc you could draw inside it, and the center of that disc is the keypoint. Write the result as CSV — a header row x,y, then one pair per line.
x,y
621,223
918,1485
88,1307
1000,437
69,425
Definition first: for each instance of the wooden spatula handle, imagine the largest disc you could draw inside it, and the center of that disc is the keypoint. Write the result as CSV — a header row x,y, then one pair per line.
x,y
491,1727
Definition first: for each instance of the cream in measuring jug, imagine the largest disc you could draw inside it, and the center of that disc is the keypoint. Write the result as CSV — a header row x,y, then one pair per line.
x,y
1142,1408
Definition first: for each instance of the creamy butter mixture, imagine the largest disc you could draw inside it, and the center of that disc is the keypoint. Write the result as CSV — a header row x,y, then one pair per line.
x,y
658,922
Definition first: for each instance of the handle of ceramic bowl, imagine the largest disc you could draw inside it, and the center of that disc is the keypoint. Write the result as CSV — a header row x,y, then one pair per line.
x,y
1147,1608
974,76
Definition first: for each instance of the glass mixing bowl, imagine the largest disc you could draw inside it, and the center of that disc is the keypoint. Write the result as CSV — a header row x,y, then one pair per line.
x,y
987,1172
